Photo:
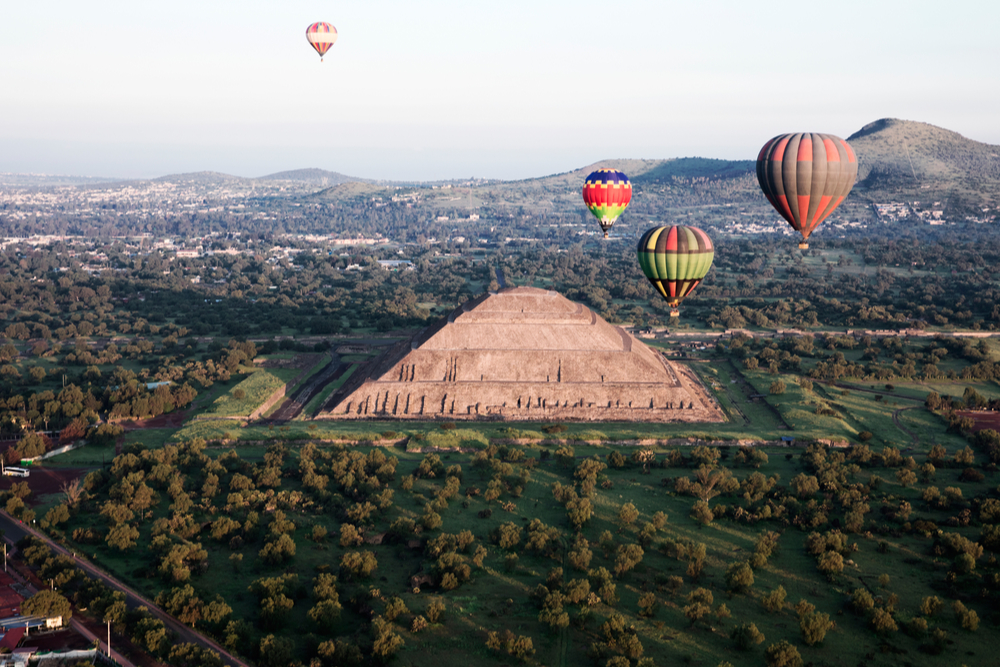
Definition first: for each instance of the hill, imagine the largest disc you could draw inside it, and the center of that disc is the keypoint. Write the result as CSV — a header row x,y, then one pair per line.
x,y
901,152
201,177
319,176
909,160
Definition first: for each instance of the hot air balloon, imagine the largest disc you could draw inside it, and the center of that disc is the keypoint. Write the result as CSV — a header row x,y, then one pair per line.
x,y
606,193
675,259
321,36
805,176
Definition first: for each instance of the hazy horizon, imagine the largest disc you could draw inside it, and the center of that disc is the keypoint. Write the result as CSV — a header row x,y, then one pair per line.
x,y
448,90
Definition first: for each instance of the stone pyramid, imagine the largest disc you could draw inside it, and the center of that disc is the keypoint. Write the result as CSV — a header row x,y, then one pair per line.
x,y
523,354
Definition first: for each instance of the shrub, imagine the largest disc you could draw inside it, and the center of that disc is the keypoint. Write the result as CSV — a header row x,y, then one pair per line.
x,y
702,513
882,621
746,636
814,627
774,600
739,577
782,654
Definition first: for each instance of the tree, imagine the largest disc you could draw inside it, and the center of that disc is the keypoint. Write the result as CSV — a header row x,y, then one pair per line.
x,y
182,603
906,477
350,536
702,513
325,614
782,654
387,642
628,557
122,536
739,577
30,445
647,603
359,563
746,636
775,600
193,655
805,485
830,563
627,515
777,387
930,605
507,535
882,621
48,604
699,604
813,626
580,554
276,651
395,608
339,653
968,618
520,647
278,551
434,611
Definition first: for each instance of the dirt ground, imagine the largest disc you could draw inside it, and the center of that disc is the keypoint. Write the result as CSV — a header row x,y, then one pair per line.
x,y
173,419
44,481
983,419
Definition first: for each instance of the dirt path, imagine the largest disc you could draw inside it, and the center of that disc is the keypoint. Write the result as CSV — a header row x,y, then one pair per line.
x,y
914,438
293,405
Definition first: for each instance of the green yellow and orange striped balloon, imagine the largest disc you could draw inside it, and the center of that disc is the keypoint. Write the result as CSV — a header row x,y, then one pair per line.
x,y
675,259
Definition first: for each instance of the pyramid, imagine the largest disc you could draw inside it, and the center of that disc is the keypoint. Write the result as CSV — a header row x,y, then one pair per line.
x,y
523,354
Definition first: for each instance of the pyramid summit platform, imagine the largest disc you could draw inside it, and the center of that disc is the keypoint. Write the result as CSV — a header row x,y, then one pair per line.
x,y
524,354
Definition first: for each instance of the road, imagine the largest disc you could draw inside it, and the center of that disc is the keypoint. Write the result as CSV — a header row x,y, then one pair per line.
x,y
14,531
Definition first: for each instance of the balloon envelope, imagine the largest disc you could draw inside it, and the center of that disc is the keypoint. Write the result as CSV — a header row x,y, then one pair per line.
x,y
321,36
606,193
805,176
675,259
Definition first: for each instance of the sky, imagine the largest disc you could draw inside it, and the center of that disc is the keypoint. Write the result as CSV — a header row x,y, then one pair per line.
x,y
441,89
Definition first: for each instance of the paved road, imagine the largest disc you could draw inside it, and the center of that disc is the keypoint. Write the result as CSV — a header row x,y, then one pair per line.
x,y
14,530
74,623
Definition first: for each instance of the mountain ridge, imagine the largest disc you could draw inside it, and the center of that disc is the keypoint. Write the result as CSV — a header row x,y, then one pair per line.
x,y
893,155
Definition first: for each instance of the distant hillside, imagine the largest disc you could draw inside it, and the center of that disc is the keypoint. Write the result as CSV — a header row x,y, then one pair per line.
x,y
900,152
354,190
201,177
318,176
47,180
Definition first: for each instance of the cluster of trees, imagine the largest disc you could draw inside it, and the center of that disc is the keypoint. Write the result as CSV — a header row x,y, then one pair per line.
x,y
881,359
185,518
89,406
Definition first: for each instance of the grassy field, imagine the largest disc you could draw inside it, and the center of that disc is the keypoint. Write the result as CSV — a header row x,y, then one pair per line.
x,y
897,555
499,594
250,393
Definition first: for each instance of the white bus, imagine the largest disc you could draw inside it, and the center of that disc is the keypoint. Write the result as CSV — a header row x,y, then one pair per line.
x,y
14,471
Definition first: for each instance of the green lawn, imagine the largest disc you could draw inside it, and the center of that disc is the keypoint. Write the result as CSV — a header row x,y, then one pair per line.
x,y
255,389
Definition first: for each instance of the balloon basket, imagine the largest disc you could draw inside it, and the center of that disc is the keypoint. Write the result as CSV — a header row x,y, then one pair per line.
x,y
803,246
675,313
605,235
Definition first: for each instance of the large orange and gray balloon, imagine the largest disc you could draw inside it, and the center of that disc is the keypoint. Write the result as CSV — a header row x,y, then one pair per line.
x,y
321,36
805,176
